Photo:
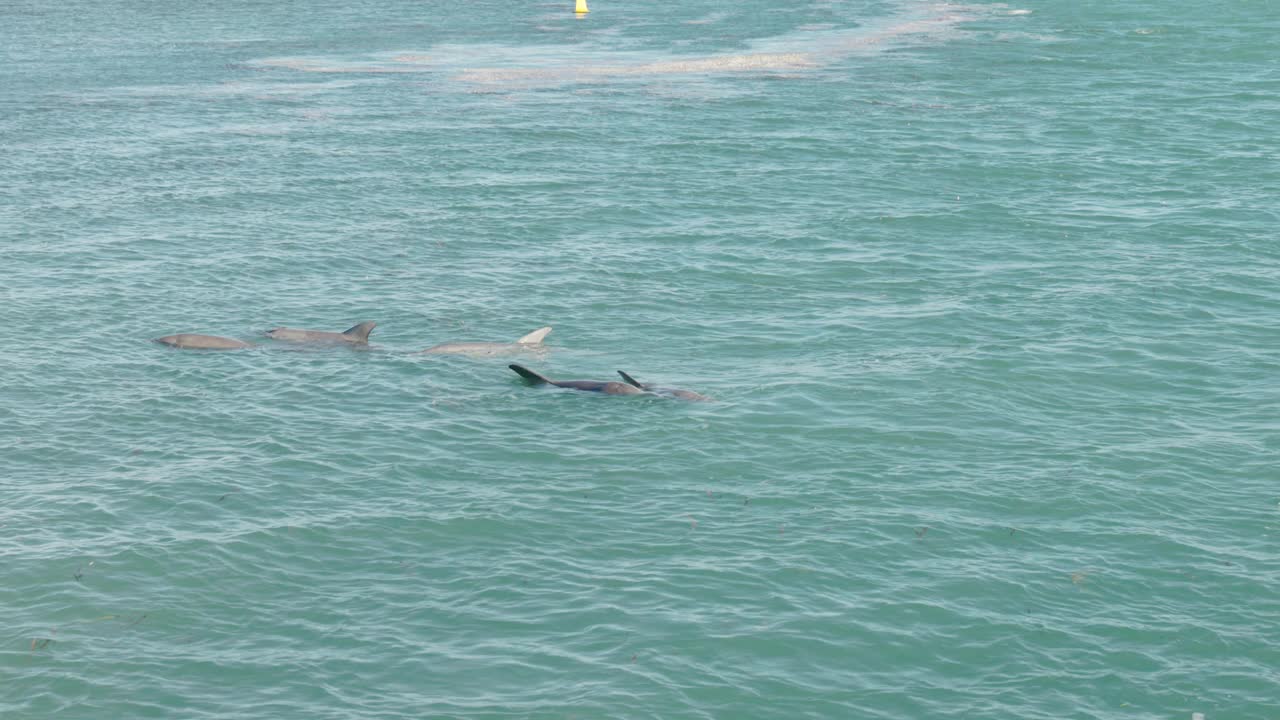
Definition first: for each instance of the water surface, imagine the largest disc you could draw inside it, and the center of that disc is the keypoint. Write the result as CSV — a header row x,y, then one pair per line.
x,y
986,296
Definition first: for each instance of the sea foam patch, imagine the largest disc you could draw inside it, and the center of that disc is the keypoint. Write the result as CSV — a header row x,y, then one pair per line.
x,y
804,48
692,66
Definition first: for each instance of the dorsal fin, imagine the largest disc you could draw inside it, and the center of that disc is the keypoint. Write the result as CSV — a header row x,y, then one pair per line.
x,y
630,380
530,375
361,331
535,337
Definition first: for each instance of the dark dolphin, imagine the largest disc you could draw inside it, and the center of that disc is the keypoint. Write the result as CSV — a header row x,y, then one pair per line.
x,y
670,392
607,387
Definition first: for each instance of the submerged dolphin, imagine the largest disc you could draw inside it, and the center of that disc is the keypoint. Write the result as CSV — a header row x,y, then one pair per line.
x,y
358,335
671,392
530,342
189,341
602,386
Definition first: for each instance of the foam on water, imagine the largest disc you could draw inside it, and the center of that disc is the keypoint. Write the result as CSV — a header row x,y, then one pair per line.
x,y
808,46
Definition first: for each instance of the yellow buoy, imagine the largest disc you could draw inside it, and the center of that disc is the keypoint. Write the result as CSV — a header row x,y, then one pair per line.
x,y
581,7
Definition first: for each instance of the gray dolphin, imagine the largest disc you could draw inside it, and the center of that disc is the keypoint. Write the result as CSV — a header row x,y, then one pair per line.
x,y
601,386
671,392
190,341
358,335
529,343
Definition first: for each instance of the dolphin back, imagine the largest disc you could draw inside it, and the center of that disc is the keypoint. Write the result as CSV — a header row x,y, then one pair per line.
x,y
192,341
669,392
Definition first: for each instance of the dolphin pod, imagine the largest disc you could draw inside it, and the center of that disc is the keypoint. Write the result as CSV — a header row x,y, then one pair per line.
x,y
359,336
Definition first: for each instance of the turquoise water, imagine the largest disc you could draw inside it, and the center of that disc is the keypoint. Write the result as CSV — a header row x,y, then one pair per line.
x,y
987,296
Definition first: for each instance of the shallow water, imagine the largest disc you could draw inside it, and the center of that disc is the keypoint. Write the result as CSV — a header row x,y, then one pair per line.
x,y
986,296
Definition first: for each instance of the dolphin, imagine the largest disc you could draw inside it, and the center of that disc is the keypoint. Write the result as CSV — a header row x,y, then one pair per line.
x,y
528,343
189,341
601,386
670,392
358,335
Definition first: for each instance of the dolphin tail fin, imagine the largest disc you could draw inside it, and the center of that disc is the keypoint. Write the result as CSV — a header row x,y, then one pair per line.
x,y
533,377
535,337
630,380
361,331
